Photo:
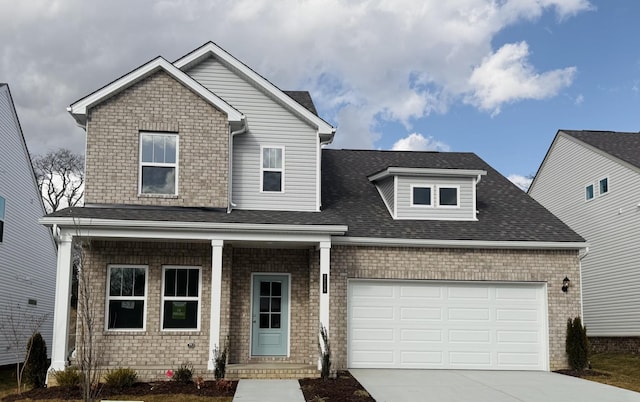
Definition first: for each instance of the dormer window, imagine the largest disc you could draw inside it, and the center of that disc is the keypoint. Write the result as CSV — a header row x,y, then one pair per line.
x,y
272,170
421,196
448,196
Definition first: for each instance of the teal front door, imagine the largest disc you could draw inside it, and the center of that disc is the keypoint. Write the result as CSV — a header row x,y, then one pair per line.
x,y
270,320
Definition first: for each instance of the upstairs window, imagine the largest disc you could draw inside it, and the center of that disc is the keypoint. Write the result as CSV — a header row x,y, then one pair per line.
x,y
603,186
126,297
589,192
448,197
181,298
2,205
421,196
158,163
272,170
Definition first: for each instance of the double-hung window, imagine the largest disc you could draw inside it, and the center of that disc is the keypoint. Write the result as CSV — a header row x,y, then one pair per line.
x,y
158,163
2,207
126,297
181,298
272,169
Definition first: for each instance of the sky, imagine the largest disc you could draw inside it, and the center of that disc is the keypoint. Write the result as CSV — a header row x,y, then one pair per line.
x,y
493,77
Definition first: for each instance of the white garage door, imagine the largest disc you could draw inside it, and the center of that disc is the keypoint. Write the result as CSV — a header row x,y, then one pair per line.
x,y
448,325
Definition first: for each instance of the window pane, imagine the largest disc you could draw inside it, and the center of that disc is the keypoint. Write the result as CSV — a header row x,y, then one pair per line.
x,y
127,282
448,196
275,320
126,314
276,289
265,288
421,196
1,230
2,206
170,282
158,148
604,186
180,315
272,181
115,282
170,149
147,148
589,192
193,283
264,320
182,276
275,305
138,287
276,158
266,157
158,180
264,304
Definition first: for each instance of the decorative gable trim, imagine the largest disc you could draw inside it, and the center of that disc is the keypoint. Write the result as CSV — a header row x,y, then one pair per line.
x,y
325,130
79,108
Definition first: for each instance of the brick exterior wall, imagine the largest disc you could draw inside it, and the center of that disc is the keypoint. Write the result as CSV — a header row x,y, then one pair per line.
x,y
157,103
614,344
457,264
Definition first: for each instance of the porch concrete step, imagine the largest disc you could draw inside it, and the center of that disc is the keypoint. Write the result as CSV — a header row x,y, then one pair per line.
x,y
271,370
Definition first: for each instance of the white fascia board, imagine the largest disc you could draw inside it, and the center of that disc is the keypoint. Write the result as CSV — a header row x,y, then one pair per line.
x,y
394,171
79,109
210,48
393,242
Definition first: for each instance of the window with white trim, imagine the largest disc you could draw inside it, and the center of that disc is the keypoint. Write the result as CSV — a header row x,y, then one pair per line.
x,y
448,196
603,186
181,298
588,192
421,196
158,163
126,297
272,169
2,208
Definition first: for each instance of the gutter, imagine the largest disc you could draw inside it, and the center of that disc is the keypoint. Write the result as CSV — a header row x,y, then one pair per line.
x,y
230,170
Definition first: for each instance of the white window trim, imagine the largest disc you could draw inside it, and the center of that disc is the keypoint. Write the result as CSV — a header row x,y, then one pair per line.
x,y
457,187
593,192
143,298
433,193
181,298
157,164
608,186
3,218
263,169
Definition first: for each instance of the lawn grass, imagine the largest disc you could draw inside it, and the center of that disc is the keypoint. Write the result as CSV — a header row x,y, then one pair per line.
x,y
623,370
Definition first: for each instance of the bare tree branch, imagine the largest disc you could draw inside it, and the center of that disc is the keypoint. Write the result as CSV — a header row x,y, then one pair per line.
x,y
60,176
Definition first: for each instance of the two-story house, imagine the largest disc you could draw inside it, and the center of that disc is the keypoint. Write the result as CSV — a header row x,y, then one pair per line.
x,y
590,180
215,215
27,249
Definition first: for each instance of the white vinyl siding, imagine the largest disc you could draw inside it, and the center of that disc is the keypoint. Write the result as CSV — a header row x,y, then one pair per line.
x,y
386,187
270,124
447,325
464,210
27,253
611,269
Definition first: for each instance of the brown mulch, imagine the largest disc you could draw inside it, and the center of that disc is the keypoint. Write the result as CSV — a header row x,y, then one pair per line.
x,y
343,388
582,373
209,388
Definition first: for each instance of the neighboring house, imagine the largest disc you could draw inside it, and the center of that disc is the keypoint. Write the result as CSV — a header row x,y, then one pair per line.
x,y
215,215
590,180
27,249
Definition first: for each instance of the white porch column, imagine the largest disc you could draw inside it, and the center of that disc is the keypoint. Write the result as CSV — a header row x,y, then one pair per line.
x,y
62,304
216,298
325,265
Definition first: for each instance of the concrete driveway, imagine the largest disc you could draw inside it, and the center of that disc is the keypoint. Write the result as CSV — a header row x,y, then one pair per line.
x,y
387,385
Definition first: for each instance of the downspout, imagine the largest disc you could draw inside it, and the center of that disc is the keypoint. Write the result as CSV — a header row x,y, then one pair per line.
x,y
230,175
580,257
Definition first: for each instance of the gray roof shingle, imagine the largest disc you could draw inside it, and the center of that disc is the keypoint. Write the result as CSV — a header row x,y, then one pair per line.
x,y
303,98
505,213
622,145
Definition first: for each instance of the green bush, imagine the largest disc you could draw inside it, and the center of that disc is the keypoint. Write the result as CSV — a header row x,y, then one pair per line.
x,y
577,344
121,377
220,361
69,377
36,362
183,374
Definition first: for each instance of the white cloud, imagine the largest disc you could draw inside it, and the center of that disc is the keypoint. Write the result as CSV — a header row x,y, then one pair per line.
x,y
506,76
418,142
579,99
521,181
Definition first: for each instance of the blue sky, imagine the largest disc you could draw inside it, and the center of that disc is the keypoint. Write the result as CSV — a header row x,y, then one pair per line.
x,y
494,77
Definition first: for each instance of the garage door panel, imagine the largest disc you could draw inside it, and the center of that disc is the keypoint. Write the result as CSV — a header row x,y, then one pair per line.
x,y
464,325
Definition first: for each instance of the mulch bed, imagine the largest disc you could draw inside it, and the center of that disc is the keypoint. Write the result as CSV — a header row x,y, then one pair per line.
x,y
582,373
343,388
209,388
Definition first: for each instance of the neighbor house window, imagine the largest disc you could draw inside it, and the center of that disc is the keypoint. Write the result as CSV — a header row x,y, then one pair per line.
x,y
181,298
421,196
603,186
272,169
158,163
589,192
2,206
448,196
126,296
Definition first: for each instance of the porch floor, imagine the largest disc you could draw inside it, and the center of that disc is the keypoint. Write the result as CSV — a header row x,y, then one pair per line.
x,y
271,370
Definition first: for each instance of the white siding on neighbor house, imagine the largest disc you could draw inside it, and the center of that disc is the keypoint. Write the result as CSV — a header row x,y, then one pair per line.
x,y
464,210
387,190
270,124
611,225
27,251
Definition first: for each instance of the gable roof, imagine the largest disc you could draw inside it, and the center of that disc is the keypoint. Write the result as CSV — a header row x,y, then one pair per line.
x,y
303,98
622,145
79,108
506,215
209,49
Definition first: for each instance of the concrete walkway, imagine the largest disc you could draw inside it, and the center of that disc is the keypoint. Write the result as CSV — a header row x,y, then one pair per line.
x,y
485,386
268,391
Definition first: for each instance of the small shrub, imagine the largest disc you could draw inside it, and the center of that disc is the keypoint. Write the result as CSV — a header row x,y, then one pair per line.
x,y
69,377
325,354
36,363
220,361
577,344
183,374
121,377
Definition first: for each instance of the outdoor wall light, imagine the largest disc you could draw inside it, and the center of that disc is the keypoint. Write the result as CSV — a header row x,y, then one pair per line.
x,y
565,284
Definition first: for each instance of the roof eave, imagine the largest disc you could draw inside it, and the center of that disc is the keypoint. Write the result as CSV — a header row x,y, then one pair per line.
x,y
453,243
